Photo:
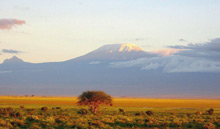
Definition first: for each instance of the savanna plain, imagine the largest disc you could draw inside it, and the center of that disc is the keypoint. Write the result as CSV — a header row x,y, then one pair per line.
x,y
43,112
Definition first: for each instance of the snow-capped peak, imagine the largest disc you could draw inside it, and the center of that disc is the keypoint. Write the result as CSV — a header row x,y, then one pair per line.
x,y
119,48
129,47
116,52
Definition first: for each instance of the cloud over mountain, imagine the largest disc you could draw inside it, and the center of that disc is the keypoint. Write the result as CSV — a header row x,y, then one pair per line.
x,y
203,57
172,64
10,23
11,51
212,45
209,50
166,52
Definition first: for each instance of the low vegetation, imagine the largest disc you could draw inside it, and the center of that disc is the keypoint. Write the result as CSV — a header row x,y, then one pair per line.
x,y
107,117
59,116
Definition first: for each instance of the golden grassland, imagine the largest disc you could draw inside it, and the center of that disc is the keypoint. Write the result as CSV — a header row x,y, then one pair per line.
x,y
117,102
62,112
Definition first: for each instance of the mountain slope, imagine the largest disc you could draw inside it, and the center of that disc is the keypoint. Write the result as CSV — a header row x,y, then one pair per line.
x,y
116,52
13,60
79,74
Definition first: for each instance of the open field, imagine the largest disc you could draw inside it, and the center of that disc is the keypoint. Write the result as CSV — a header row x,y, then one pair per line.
x,y
118,102
62,112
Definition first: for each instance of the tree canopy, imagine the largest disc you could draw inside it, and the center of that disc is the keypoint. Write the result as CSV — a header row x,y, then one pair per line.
x,y
94,99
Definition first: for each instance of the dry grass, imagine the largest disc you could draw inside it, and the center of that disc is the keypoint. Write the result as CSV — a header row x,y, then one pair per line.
x,y
38,100
121,102
168,103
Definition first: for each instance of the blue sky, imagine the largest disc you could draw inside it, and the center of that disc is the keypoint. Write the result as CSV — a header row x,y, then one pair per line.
x,y
56,30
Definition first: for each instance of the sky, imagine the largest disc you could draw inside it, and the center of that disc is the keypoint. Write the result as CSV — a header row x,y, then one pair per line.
x,y
55,30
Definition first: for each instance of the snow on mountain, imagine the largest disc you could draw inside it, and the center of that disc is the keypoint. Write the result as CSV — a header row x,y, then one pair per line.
x,y
119,48
116,52
129,47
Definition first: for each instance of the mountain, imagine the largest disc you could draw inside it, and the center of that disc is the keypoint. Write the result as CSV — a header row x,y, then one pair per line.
x,y
116,52
14,64
13,60
94,71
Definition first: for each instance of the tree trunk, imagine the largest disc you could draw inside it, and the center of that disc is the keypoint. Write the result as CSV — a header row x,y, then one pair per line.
x,y
95,110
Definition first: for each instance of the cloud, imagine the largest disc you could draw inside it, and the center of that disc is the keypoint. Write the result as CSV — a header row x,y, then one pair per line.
x,y
171,64
135,39
95,62
139,39
212,45
10,23
166,52
200,57
11,51
182,40
210,49
5,72
21,8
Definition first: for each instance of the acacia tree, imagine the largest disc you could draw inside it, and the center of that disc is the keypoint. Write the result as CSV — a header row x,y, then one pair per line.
x,y
93,99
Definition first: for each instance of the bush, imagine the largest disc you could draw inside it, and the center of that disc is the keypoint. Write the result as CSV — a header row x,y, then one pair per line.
x,y
44,109
198,113
121,110
22,107
208,126
15,114
58,107
137,114
149,113
210,111
83,112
